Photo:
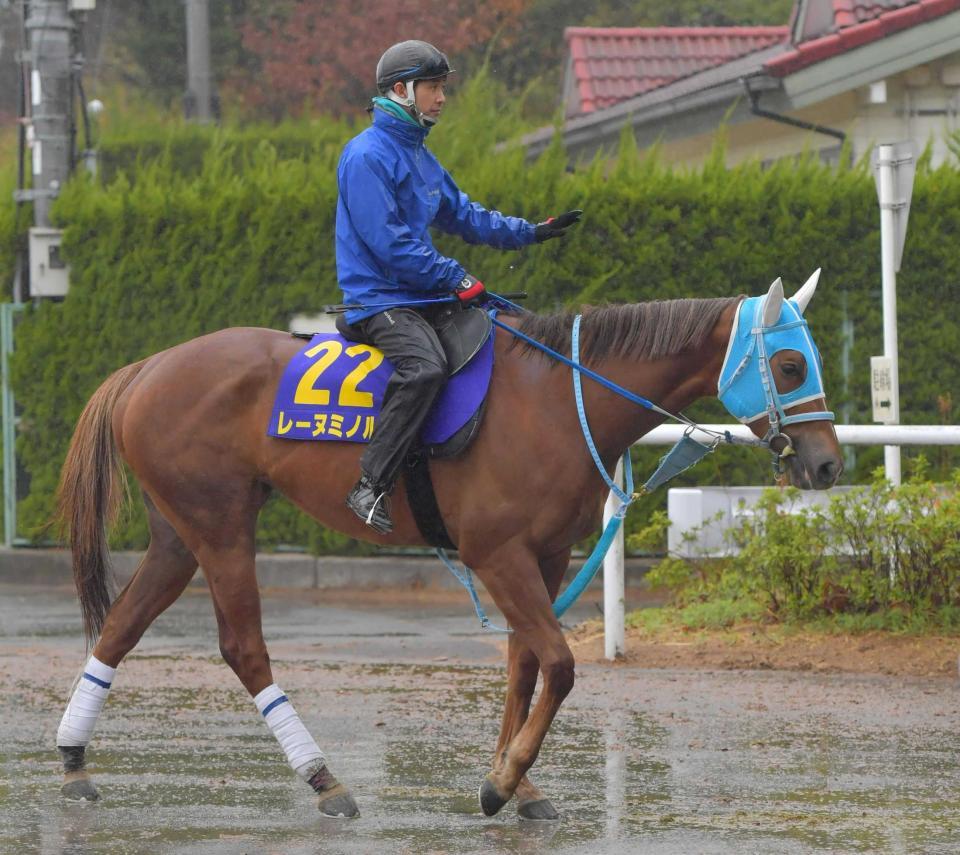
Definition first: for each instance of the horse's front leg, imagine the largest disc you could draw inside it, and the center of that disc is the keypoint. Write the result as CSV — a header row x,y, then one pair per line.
x,y
515,582
522,669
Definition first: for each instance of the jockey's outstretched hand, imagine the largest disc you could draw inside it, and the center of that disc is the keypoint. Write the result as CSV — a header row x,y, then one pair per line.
x,y
556,226
471,291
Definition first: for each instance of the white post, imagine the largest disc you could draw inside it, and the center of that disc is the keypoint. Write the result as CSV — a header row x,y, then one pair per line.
x,y
613,585
888,247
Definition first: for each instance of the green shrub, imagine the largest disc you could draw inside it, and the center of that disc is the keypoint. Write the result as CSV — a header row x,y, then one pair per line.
x,y
875,549
13,231
183,148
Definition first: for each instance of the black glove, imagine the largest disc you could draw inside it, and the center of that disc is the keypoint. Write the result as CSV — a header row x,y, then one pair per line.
x,y
471,291
556,226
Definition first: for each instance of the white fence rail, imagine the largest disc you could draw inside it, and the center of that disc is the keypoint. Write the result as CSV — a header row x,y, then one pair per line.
x,y
847,434
613,584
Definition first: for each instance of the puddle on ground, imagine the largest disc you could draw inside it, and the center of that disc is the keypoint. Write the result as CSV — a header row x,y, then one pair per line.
x,y
658,762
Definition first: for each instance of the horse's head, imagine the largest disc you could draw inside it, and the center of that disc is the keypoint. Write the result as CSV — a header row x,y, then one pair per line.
x,y
771,381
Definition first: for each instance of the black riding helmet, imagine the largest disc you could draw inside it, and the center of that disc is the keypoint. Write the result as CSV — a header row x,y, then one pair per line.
x,y
411,60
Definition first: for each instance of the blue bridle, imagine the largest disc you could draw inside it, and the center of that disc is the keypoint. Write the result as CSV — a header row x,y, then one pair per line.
x,y
746,386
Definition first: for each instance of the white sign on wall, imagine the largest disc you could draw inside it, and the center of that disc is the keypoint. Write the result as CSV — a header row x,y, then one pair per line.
x,y
881,385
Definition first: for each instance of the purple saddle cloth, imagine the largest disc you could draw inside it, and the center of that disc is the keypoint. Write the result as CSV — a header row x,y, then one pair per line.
x,y
333,389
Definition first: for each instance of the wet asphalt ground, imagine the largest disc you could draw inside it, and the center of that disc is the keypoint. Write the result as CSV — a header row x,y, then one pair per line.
x,y
405,700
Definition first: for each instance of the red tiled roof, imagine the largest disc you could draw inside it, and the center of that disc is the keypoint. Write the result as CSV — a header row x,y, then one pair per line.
x,y
848,13
856,23
613,64
819,18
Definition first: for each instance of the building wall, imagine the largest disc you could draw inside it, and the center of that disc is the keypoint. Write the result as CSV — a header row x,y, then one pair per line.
x,y
921,104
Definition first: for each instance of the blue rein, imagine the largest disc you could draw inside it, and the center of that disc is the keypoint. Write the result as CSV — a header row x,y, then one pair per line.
x,y
582,369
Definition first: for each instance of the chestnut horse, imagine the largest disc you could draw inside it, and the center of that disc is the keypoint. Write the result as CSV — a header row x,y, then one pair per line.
x,y
191,423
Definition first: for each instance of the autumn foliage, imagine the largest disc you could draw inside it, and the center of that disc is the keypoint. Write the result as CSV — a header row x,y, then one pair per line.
x,y
322,56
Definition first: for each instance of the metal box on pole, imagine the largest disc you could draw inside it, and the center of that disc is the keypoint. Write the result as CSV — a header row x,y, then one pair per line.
x,y
49,275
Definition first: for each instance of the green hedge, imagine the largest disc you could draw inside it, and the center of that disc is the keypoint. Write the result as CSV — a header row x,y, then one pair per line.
x,y
215,228
13,230
876,550
185,148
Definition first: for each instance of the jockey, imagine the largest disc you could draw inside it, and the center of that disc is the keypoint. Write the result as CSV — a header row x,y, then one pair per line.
x,y
391,191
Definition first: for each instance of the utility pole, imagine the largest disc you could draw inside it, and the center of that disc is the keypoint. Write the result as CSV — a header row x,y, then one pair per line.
x,y
50,30
199,99
48,120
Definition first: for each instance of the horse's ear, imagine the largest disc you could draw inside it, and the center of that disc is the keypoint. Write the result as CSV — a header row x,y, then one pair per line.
x,y
773,304
802,297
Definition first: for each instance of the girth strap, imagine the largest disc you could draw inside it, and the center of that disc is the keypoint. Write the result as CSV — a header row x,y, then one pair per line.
x,y
423,500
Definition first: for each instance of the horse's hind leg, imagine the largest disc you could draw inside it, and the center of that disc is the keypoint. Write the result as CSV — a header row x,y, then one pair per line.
x,y
522,669
161,577
231,573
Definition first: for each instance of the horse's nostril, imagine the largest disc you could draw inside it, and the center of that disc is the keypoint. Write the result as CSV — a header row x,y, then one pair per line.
x,y
829,471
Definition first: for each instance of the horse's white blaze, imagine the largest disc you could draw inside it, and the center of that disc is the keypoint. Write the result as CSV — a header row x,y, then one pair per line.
x,y
89,696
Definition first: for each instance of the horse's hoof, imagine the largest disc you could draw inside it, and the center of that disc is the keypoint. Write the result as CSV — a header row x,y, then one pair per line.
x,y
339,803
490,800
79,788
335,799
538,809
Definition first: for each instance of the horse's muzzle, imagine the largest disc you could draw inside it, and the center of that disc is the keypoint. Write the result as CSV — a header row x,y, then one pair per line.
x,y
813,471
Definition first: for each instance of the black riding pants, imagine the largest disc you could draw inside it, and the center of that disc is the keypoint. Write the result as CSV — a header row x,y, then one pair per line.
x,y
410,342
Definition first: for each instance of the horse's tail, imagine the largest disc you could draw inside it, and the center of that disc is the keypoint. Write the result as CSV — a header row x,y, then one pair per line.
x,y
92,487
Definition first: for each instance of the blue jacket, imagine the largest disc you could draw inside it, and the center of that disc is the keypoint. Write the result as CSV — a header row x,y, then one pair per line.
x,y
391,191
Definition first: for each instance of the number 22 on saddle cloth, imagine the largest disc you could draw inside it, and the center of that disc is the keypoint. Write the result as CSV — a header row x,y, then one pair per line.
x,y
333,390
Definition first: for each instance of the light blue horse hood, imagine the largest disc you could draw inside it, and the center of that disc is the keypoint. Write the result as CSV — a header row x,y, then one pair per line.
x,y
742,382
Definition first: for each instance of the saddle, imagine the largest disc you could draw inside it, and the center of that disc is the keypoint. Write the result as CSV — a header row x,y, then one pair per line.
x,y
330,390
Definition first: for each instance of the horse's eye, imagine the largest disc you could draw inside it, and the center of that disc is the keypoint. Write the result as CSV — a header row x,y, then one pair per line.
x,y
790,369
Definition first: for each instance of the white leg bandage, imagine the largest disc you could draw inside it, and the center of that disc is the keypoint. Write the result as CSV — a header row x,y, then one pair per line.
x,y
89,695
303,754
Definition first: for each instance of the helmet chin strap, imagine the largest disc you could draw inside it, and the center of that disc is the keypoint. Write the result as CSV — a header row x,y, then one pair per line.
x,y
410,102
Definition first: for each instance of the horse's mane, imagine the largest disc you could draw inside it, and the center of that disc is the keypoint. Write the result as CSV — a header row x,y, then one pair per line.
x,y
651,330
